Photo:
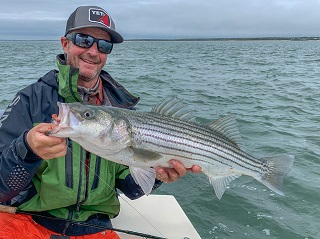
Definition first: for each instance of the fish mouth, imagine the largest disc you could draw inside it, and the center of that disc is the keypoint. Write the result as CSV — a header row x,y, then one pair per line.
x,y
66,122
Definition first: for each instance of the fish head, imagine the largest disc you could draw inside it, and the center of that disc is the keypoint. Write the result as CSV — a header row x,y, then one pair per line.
x,y
77,120
91,125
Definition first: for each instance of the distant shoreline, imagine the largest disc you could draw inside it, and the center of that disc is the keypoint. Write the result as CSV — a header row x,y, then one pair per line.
x,y
232,39
206,39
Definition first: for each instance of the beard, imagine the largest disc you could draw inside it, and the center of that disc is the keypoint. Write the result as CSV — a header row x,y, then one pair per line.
x,y
86,77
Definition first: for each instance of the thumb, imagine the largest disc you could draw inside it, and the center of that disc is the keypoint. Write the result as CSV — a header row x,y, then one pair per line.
x,y
44,127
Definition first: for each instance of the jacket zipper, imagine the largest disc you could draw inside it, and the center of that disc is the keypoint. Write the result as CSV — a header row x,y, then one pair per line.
x,y
69,165
95,183
83,165
79,184
69,179
87,171
68,223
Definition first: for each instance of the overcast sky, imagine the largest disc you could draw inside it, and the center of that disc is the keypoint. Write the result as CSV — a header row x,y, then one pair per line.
x,y
42,19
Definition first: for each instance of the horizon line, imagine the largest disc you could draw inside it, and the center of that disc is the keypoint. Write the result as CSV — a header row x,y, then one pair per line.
x,y
193,39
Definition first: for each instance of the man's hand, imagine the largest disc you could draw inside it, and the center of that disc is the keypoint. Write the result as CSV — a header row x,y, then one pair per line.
x,y
44,146
177,171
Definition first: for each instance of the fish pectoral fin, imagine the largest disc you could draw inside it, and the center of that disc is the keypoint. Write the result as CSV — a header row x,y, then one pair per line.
x,y
143,155
221,183
144,177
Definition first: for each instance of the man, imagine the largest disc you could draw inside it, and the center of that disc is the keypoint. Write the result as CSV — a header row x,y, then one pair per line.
x,y
56,179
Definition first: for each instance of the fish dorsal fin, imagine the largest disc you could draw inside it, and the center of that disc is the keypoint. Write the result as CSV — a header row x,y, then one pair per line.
x,y
227,127
173,107
220,184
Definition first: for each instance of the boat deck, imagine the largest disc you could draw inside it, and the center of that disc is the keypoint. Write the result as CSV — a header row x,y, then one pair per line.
x,y
157,215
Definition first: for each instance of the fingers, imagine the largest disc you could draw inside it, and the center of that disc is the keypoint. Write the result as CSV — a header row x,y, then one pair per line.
x,y
167,175
177,171
160,174
195,169
45,146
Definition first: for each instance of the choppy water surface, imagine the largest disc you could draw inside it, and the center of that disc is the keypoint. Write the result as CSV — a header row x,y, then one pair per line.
x,y
272,87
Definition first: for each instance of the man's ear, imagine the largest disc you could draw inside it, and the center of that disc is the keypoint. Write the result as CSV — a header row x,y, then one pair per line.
x,y
64,43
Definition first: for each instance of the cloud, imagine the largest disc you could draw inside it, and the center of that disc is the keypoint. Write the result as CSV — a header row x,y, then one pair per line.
x,y
40,19
231,18
19,29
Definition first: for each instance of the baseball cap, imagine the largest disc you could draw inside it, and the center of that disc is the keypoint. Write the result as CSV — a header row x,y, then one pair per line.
x,y
93,16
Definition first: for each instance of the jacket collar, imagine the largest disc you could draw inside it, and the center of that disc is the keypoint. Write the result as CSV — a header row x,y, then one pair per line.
x,y
68,79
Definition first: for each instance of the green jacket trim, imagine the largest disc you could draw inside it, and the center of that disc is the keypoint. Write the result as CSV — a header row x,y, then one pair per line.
x,y
68,81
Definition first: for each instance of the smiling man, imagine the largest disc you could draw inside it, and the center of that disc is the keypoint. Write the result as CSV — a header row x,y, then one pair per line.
x,y
89,61
55,179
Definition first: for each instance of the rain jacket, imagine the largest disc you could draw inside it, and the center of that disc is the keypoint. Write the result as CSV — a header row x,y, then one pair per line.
x,y
60,187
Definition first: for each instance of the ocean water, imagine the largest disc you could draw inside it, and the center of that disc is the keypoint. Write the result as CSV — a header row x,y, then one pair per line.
x,y
272,87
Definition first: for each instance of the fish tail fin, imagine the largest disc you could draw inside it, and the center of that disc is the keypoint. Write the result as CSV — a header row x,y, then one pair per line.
x,y
277,169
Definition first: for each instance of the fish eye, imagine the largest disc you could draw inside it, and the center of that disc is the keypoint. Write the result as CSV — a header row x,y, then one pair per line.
x,y
87,114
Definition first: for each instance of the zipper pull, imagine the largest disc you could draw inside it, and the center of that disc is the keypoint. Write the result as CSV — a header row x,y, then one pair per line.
x,y
77,211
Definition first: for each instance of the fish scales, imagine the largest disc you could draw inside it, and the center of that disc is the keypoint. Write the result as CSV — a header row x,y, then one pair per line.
x,y
197,132
143,140
188,136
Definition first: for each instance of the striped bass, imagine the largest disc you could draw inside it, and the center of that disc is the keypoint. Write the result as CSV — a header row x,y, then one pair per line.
x,y
143,140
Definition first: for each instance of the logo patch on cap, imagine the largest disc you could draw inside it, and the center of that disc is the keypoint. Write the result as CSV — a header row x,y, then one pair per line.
x,y
99,16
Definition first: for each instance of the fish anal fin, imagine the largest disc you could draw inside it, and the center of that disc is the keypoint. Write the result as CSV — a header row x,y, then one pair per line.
x,y
221,183
144,177
227,127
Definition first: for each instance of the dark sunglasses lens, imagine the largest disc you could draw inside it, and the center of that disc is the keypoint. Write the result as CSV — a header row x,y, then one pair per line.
x,y
86,41
104,46
83,40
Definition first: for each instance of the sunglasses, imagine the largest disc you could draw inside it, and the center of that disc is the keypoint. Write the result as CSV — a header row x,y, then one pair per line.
x,y
86,41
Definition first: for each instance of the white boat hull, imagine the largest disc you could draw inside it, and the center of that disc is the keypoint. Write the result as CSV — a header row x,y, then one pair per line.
x,y
157,215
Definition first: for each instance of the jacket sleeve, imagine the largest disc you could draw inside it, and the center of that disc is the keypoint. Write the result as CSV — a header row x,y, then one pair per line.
x,y
127,185
18,163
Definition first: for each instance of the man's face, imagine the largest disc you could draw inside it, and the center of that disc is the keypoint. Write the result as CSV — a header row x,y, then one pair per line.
x,y
90,61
